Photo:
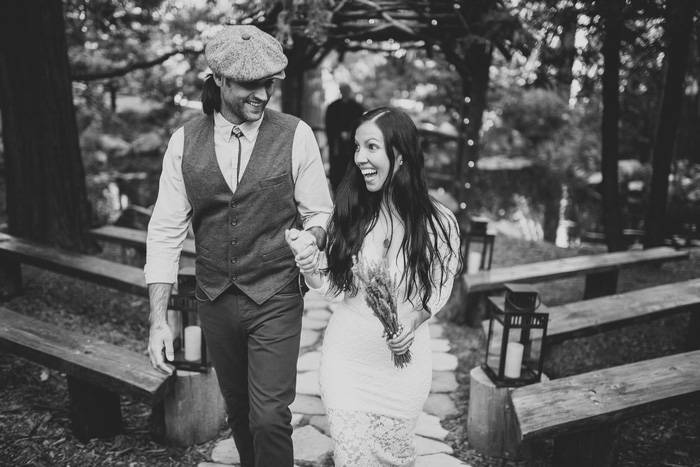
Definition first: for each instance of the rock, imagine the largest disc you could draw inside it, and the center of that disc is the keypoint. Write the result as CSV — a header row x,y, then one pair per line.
x,y
444,381
425,446
311,446
310,361
308,405
440,405
225,452
307,383
441,460
429,427
444,361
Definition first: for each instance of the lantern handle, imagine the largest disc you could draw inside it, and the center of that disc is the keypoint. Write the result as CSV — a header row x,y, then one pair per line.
x,y
521,309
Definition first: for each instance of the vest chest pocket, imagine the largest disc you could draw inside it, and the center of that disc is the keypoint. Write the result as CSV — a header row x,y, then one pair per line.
x,y
274,181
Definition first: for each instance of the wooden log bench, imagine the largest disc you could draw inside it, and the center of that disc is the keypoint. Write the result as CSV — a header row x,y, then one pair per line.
x,y
589,317
601,273
16,251
133,243
97,373
194,410
583,413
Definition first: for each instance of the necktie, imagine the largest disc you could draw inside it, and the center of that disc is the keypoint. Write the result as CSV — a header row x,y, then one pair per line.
x,y
238,133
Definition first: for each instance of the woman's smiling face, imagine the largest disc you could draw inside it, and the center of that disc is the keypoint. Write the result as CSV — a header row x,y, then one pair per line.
x,y
371,156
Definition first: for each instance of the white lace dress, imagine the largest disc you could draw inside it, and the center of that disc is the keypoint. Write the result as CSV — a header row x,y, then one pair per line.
x,y
372,405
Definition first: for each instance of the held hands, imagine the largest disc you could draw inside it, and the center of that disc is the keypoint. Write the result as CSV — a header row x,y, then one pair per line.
x,y
306,252
160,338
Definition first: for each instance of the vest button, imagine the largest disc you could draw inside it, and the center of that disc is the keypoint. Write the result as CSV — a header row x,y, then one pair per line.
x,y
234,222
233,260
234,241
234,204
233,278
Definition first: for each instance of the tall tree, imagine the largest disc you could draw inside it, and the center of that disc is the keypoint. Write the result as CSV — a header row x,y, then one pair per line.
x,y
46,194
611,12
678,32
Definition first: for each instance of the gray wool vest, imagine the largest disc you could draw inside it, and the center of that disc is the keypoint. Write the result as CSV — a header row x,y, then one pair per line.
x,y
240,236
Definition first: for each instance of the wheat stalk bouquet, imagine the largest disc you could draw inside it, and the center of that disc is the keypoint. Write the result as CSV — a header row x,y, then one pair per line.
x,y
380,292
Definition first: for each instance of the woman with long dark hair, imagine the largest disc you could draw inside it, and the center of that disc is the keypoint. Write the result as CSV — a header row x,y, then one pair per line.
x,y
383,214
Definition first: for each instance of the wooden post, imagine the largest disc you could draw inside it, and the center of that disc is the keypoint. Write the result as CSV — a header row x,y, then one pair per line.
x,y
193,412
600,284
10,278
94,411
597,447
692,341
491,424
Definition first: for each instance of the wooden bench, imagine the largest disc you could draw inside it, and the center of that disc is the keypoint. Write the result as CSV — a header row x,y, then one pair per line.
x,y
194,409
97,372
589,317
16,251
133,243
601,273
583,412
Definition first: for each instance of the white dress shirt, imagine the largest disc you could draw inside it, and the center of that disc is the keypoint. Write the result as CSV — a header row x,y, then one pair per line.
x,y
172,212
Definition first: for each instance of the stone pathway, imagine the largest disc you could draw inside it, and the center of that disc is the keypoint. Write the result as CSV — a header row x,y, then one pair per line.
x,y
312,443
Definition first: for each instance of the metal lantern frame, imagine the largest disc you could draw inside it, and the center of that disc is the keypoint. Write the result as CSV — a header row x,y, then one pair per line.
x,y
515,317
182,313
478,233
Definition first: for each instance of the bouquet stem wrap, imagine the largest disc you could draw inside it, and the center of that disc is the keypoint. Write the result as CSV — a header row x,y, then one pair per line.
x,y
380,292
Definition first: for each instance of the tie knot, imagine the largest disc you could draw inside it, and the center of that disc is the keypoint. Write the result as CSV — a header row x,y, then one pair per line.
x,y
236,132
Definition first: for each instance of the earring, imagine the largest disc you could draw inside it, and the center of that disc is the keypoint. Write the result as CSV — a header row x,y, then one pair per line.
x,y
401,162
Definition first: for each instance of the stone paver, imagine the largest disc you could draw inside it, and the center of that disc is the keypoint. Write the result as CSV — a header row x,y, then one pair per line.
x,y
312,444
444,381
307,405
440,345
440,405
307,383
310,361
309,337
444,361
425,446
429,427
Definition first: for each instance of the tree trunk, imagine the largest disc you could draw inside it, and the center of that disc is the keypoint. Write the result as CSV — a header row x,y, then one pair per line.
x,y
476,86
678,32
46,193
293,83
611,11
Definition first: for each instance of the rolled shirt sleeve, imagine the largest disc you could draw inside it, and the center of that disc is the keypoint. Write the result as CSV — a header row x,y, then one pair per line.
x,y
171,216
310,184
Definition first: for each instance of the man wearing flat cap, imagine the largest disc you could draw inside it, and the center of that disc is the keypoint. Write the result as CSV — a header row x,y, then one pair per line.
x,y
241,175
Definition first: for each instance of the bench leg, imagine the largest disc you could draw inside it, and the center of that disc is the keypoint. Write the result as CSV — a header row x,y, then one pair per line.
x,y
10,278
597,447
692,341
600,284
95,412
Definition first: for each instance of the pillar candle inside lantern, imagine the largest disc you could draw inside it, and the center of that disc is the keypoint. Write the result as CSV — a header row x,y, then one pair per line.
x,y
193,343
474,262
514,360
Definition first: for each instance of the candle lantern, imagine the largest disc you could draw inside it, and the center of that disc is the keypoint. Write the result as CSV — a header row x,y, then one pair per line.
x,y
514,346
188,340
477,245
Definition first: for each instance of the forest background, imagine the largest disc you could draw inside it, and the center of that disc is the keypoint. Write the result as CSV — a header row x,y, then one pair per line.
x,y
594,104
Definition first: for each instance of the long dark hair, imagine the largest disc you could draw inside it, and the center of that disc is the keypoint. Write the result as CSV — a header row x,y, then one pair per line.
x,y
357,211
211,96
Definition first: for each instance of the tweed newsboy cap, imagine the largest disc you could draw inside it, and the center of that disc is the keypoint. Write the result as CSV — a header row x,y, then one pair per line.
x,y
245,53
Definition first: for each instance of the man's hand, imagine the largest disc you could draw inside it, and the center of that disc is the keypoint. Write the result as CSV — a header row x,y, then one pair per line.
x,y
160,338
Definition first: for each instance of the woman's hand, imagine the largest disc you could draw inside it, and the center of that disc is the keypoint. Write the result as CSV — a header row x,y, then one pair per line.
x,y
409,323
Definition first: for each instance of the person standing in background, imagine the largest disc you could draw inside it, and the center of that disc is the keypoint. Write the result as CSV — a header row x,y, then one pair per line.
x,y
341,116
241,175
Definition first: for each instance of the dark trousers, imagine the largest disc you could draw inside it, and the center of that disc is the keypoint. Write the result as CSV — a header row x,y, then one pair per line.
x,y
254,349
